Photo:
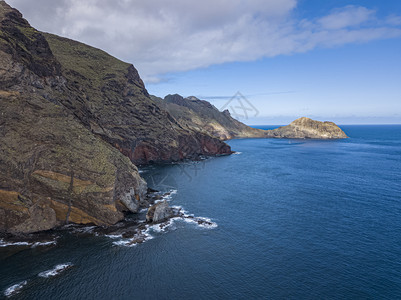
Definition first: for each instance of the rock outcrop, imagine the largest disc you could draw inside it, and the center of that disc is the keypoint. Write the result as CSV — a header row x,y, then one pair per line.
x,y
159,212
305,128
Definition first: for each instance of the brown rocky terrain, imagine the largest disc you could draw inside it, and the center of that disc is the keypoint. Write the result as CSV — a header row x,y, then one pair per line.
x,y
200,115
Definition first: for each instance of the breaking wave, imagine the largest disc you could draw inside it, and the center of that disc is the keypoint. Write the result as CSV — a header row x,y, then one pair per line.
x,y
146,234
15,289
4,243
56,270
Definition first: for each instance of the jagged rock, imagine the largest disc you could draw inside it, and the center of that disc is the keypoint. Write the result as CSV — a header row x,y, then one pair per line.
x,y
159,212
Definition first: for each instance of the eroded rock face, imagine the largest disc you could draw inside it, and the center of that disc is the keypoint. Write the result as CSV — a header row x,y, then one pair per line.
x,y
159,212
53,169
201,116
305,128
109,98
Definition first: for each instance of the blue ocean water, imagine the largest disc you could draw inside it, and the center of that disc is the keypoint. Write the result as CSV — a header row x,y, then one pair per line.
x,y
298,219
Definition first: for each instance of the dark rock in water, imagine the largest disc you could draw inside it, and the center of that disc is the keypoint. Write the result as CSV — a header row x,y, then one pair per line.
x,y
159,212
150,190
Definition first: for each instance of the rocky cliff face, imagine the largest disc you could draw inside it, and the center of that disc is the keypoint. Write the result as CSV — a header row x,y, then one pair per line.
x,y
73,120
110,99
53,169
200,115
305,128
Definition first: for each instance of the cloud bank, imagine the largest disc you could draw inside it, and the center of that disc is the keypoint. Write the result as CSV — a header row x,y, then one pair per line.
x,y
162,36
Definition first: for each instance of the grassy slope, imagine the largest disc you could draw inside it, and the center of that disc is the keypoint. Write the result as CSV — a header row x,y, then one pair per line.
x,y
93,64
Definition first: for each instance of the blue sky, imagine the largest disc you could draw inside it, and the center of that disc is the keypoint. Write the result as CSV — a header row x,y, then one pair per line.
x,y
356,83
351,84
329,60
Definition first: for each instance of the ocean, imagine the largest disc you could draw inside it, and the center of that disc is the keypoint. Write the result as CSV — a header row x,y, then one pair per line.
x,y
291,219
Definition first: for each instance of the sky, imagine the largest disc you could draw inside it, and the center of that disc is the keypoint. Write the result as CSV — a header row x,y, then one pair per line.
x,y
267,61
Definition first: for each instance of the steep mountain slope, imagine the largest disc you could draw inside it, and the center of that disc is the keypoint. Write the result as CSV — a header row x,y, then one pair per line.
x,y
200,115
52,168
109,97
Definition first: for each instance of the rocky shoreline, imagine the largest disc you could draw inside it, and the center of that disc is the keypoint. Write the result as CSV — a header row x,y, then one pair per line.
x,y
133,229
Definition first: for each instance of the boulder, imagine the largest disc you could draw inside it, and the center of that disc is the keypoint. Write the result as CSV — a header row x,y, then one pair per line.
x,y
159,212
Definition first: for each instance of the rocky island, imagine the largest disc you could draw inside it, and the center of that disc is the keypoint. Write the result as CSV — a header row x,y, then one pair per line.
x,y
75,122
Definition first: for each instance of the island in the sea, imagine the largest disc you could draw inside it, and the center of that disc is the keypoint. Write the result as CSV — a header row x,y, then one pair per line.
x,y
75,122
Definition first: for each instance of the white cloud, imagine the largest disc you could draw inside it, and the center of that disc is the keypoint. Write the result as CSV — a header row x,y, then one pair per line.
x,y
347,17
160,36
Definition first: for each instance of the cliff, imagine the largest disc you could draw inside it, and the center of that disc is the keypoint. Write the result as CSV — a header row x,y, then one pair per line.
x,y
109,98
200,115
73,122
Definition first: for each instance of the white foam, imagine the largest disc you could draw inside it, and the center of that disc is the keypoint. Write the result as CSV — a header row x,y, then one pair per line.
x,y
88,229
181,210
207,223
162,227
145,234
114,236
56,270
125,243
6,244
131,242
170,195
32,244
237,153
143,210
44,244
15,289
